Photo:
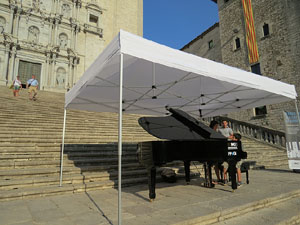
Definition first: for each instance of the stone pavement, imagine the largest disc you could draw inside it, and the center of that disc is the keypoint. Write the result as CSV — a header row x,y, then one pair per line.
x,y
176,203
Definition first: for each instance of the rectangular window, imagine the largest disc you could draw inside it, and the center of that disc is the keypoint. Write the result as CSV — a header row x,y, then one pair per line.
x,y
93,19
256,69
237,43
210,44
262,110
266,29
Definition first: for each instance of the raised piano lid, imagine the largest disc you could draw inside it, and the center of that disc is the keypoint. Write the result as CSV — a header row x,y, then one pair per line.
x,y
178,126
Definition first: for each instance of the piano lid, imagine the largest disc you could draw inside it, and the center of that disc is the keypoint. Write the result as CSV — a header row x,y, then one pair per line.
x,y
178,126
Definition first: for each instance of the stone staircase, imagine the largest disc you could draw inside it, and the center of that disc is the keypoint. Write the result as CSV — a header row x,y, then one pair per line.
x,y
31,136
264,156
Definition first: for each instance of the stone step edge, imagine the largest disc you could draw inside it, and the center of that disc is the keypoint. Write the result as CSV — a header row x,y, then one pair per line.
x,y
75,188
240,210
66,188
292,221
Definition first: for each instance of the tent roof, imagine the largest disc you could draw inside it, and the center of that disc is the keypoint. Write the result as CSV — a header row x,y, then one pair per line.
x,y
156,76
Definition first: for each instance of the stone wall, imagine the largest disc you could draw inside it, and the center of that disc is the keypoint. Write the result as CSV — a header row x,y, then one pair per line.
x,y
62,36
279,51
200,45
277,60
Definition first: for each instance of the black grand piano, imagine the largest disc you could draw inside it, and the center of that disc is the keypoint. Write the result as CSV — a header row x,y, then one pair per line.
x,y
186,139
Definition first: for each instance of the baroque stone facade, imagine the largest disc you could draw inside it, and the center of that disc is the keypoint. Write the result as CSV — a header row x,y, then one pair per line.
x,y
57,40
277,27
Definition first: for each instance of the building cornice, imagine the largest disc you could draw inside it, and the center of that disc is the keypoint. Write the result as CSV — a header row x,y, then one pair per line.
x,y
200,36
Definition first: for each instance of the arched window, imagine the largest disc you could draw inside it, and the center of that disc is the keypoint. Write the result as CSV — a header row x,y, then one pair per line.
x,y
33,34
60,77
63,41
2,24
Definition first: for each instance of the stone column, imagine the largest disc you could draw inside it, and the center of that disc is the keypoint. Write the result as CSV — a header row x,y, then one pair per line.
x,y
78,6
57,6
6,64
48,60
76,35
56,31
17,21
72,44
11,22
69,73
73,11
53,72
75,77
50,38
12,64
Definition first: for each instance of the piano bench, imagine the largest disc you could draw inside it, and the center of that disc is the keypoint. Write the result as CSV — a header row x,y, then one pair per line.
x,y
245,166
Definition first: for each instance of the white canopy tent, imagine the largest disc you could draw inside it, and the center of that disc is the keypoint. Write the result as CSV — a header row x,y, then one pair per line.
x,y
138,76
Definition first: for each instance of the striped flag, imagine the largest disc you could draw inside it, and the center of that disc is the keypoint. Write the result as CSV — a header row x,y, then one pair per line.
x,y
250,32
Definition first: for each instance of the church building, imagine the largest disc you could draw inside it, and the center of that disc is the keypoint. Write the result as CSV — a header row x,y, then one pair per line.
x,y
57,40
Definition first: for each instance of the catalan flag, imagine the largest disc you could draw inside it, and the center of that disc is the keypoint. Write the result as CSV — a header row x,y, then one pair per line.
x,y
250,32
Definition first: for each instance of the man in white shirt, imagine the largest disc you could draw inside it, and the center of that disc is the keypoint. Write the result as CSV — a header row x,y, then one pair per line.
x,y
33,85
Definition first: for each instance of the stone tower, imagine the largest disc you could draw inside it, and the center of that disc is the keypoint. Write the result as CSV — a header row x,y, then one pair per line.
x,y
58,39
262,37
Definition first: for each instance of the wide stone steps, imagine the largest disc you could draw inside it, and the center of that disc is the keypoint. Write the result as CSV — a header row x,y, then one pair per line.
x,y
30,145
69,178
38,191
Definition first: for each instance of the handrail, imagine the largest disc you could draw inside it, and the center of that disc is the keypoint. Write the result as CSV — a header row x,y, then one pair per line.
x,y
264,134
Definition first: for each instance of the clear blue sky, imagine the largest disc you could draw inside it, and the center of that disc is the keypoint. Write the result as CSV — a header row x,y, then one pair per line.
x,y
176,22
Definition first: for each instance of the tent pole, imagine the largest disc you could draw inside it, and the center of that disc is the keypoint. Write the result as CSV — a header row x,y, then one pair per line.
x,y
297,111
120,142
62,148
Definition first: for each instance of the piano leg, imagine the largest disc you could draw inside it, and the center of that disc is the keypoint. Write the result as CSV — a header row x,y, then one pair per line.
x,y
187,171
151,182
208,175
211,185
247,177
232,172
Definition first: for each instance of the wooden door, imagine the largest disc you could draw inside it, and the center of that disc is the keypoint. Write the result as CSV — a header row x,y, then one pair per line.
x,y
27,69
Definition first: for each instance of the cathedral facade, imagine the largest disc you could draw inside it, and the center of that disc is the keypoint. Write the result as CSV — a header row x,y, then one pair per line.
x,y
258,36
57,40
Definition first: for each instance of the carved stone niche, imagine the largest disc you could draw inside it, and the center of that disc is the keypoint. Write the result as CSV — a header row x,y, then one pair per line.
x,y
63,41
66,10
61,77
33,34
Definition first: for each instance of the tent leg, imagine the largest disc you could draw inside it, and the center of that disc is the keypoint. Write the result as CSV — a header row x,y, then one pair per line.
x,y
62,149
297,111
120,143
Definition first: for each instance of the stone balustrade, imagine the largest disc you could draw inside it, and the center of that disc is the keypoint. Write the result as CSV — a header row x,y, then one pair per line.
x,y
270,136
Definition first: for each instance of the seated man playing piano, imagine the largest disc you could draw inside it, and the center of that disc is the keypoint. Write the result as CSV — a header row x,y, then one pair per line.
x,y
215,126
228,132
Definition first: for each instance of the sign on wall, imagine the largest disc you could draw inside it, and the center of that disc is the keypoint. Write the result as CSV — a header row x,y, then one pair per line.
x,y
292,136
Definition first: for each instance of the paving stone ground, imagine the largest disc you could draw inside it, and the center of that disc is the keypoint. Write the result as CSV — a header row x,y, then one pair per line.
x,y
175,203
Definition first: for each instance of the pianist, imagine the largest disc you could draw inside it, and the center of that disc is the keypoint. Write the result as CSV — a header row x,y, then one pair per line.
x,y
228,132
215,126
